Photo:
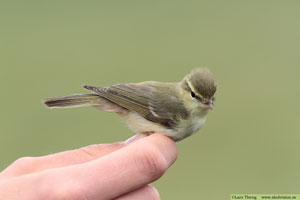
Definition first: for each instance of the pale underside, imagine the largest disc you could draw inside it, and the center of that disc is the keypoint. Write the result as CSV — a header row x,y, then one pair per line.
x,y
140,125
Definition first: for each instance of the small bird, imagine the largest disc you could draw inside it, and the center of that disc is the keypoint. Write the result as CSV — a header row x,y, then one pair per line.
x,y
176,109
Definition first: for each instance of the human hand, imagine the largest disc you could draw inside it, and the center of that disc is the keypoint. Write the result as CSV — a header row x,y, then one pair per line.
x,y
119,171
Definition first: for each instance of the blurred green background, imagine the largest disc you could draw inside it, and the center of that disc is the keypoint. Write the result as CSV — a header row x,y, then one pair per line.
x,y
250,143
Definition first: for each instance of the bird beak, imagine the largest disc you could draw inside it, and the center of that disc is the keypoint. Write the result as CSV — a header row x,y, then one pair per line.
x,y
211,106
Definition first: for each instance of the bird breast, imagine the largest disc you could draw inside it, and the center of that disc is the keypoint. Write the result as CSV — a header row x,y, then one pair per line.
x,y
184,128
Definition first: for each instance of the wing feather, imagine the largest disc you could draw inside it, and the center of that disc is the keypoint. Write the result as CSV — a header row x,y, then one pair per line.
x,y
146,99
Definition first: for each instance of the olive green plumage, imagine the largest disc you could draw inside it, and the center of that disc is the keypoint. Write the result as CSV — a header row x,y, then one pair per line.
x,y
175,109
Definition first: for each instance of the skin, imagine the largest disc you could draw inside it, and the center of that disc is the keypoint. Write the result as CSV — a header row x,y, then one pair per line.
x,y
119,171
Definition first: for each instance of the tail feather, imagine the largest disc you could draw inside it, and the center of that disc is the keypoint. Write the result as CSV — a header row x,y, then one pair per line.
x,y
72,101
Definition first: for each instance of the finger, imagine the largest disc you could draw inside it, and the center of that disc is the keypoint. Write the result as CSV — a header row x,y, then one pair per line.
x,y
135,138
116,174
146,193
28,165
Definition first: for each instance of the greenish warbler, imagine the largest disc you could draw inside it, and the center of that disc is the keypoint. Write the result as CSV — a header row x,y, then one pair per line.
x,y
176,109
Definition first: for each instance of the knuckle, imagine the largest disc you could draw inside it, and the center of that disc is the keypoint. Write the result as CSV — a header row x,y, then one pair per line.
x,y
21,166
152,163
24,161
24,164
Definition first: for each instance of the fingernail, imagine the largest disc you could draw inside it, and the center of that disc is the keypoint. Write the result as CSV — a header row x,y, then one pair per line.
x,y
135,138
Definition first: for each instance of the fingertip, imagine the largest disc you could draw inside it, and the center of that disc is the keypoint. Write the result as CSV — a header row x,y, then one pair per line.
x,y
166,145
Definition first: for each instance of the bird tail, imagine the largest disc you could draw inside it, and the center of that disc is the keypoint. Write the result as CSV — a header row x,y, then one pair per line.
x,y
79,100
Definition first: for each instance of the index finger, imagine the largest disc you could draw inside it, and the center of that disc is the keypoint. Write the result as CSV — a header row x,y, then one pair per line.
x,y
118,173
27,165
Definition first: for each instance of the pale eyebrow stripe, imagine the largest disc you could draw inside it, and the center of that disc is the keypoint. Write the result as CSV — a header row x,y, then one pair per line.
x,y
189,87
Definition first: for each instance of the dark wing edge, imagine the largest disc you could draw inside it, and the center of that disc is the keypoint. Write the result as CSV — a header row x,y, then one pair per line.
x,y
124,95
140,99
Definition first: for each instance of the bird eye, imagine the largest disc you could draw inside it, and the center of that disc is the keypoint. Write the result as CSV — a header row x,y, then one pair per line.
x,y
193,94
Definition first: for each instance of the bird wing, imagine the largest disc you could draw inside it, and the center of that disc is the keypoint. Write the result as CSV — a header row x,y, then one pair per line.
x,y
152,100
